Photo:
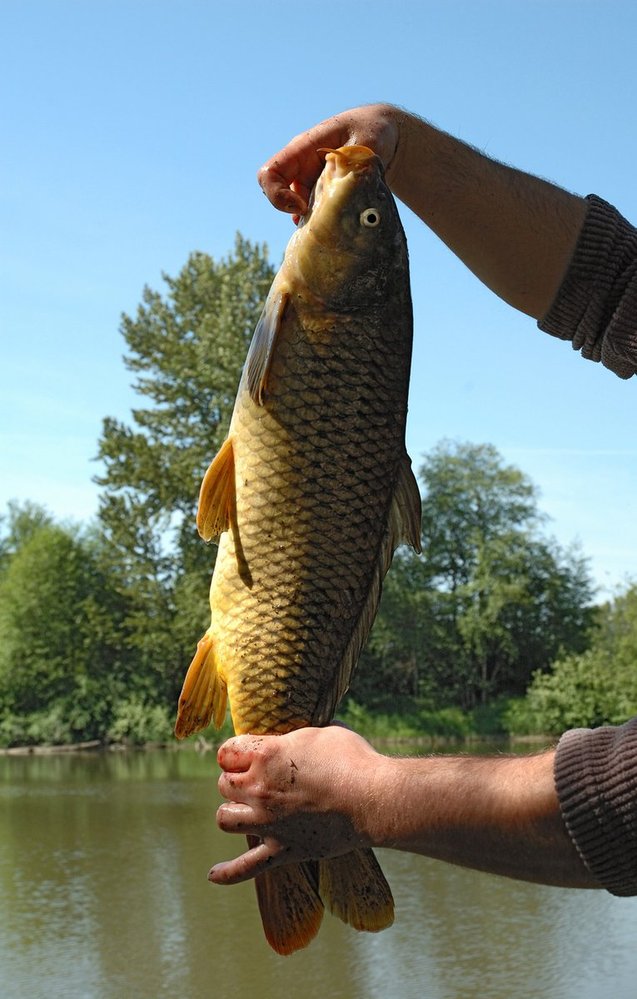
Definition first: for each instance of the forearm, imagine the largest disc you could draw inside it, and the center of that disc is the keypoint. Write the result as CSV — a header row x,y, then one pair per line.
x,y
515,231
322,792
499,815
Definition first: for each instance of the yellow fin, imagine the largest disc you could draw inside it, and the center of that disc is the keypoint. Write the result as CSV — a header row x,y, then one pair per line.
x,y
203,696
261,350
354,888
405,515
217,494
290,906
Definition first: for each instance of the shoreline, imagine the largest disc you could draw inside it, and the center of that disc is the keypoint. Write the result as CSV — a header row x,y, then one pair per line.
x,y
203,745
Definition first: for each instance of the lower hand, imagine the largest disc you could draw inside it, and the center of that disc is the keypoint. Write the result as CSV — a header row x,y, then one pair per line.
x,y
305,796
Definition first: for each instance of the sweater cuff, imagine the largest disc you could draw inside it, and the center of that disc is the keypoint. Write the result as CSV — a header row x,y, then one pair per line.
x,y
596,305
596,781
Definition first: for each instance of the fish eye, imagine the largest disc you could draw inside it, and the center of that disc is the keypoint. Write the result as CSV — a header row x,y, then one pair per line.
x,y
370,218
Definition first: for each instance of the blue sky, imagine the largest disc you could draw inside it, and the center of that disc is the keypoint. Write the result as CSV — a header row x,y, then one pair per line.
x,y
132,132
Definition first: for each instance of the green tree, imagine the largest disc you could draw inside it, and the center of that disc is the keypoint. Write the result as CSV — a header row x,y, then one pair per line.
x,y
60,627
186,348
20,522
390,676
490,601
470,498
508,597
596,687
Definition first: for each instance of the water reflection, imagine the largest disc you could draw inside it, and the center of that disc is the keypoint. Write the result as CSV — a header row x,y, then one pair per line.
x,y
103,894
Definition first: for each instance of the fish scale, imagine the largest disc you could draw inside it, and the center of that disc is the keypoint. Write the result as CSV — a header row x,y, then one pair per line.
x,y
310,495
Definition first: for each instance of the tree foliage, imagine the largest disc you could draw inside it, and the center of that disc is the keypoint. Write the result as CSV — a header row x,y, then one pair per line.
x,y
60,626
490,601
596,687
186,349
97,627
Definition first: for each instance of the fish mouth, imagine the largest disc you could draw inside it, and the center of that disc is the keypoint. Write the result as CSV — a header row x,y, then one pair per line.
x,y
347,159
343,166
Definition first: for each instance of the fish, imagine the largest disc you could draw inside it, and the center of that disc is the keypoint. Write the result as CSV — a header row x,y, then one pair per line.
x,y
309,496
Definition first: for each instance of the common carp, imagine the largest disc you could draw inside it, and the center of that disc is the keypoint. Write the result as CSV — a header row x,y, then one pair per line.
x,y
310,494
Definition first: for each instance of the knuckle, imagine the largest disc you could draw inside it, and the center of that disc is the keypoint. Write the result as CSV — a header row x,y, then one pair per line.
x,y
262,793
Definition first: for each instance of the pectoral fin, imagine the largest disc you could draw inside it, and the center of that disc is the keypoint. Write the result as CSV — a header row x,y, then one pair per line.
x,y
217,494
263,343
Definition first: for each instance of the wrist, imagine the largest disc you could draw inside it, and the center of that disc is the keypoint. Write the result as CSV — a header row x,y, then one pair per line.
x,y
378,801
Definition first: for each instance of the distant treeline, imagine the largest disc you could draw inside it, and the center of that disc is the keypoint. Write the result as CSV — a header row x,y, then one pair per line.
x,y
492,629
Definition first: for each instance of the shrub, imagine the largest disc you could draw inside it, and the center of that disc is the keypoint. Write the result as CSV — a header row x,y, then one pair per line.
x,y
135,722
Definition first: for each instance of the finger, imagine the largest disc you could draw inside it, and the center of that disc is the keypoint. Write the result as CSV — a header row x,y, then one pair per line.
x,y
227,786
289,176
258,859
276,185
238,817
235,786
237,753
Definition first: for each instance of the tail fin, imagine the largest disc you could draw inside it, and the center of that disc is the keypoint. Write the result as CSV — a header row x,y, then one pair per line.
x,y
291,899
290,905
203,696
354,888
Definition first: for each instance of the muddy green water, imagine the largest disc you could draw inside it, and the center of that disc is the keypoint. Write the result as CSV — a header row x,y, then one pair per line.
x,y
103,895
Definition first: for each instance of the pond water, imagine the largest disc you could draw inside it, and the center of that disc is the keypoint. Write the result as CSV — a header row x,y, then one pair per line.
x,y
103,895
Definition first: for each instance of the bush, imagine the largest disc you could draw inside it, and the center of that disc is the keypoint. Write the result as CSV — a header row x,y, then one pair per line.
x,y
519,717
583,691
489,719
136,722
47,727
596,687
447,723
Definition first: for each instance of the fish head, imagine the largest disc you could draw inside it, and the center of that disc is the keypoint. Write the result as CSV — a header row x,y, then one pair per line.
x,y
351,240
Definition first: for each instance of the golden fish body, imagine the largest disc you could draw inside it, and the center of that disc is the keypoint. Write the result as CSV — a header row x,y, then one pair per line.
x,y
310,494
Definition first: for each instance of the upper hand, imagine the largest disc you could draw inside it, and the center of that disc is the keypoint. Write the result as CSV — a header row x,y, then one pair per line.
x,y
289,176
304,795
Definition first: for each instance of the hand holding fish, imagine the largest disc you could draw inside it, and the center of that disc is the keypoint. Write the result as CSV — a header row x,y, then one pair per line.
x,y
298,810
516,232
323,792
288,177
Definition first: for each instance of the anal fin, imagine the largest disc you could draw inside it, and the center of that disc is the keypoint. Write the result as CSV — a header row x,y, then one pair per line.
x,y
203,696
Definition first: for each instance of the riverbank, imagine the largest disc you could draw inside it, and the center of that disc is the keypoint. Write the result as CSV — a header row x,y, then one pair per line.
x,y
387,744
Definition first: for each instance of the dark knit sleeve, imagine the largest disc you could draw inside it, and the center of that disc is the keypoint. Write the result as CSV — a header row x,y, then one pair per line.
x,y
596,781
596,305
